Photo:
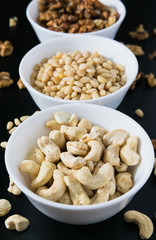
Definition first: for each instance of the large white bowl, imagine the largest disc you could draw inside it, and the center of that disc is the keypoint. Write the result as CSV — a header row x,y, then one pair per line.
x,y
26,135
44,34
109,48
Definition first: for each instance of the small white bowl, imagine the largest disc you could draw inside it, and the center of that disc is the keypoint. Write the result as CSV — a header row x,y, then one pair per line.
x,y
109,48
26,135
44,34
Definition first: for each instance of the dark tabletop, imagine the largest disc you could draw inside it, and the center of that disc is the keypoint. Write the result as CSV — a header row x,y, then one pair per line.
x,y
15,103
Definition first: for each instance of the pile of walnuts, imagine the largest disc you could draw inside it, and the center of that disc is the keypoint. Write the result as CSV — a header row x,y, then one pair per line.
x,y
78,16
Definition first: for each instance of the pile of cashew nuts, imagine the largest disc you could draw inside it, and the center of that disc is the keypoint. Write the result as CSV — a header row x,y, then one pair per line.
x,y
81,164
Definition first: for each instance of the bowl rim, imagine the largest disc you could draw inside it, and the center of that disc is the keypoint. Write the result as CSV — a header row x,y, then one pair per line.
x,y
112,202
51,42
33,22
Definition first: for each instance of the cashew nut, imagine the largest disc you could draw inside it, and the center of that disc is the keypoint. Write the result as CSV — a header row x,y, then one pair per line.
x,y
73,121
98,180
112,185
53,125
111,155
44,175
121,167
90,165
102,195
58,138
56,190
99,131
124,182
72,162
62,117
17,222
30,167
95,153
115,137
73,133
84,123
77,148
115,195
5,207
49,148
128,152
97,167
88,137
13,188
65,198
36,155
77,193
143,221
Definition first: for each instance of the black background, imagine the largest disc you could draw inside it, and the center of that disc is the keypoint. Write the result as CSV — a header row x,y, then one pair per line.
x,y
15,103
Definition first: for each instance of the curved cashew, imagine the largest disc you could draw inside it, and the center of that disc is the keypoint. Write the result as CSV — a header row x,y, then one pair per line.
x,y
111,155
112,185
143,221
121,167
124,182
73,133
98,180
44,175
36,155
88,137
66,171
99,131
90,165
17,222
77,148
49,148
56,190
53,125
102,195
77,193
5,207
84,123
65,198
62,117
72,162
115,137
97,167
30,167
95,153
128,152
73,121
58,138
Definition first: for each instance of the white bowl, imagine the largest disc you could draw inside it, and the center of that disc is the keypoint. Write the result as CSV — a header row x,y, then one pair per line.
x,y
109,48
44,34
26,135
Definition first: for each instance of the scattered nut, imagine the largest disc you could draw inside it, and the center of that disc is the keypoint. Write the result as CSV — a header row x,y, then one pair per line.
x,y
5,80
151,80
139,113
139,75
13,188
20,84
3,144
6,48
137,50
154,143
140,33
17,222
154,31
152,55
13,21
143,221
5,207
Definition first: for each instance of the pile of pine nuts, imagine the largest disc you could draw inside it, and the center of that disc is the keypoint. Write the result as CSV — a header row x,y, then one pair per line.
x,y
78,76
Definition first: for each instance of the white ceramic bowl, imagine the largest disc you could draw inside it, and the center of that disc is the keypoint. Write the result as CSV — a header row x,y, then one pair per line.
x,y
44,34
109,48
26,135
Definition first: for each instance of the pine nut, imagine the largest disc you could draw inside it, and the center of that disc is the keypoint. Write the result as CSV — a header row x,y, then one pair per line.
x,y
9,125
139,113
